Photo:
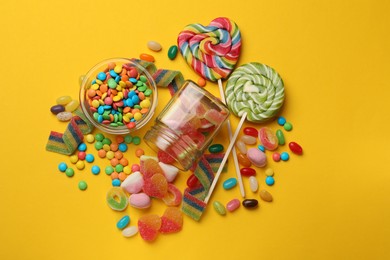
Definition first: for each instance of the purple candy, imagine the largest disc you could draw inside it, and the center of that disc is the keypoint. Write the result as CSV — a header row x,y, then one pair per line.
x,y
57,109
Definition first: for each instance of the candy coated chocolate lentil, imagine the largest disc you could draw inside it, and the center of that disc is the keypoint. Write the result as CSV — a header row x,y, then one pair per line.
x,y
288,126
266,196
251,131
216,148
269,180
89,158
57,109
219,208
284,156
82,185
154,46
233,205
269,172
247,139
62,167
172,52
123,222
295,148
253,183
95,170
229,183
250,203
276,156
280,136
69,172
281,120
246,171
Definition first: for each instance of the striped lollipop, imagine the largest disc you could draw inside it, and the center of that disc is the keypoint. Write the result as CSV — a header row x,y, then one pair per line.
x,y
213,50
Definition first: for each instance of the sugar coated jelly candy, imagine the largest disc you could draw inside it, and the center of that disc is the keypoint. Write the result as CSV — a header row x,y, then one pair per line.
x,y
116,199
171,221
173,196
148,226
268,138
295,148
149,167
64,116
156,186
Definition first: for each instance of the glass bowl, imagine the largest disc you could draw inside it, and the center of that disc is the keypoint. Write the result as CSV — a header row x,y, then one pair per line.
x,y
117,115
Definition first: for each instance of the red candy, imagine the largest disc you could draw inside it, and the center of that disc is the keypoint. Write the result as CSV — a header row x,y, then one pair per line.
x,y
150,167
173,197
81,155
171,221
156,186
251,131
268,138
192,181
248,171
276,157
148,226
165,157
295,148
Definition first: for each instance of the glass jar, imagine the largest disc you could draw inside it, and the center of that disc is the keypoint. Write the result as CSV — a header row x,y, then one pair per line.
x,y
187,125
113,113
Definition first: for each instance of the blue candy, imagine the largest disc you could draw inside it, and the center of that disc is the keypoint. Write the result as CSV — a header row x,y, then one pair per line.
x,y
116,183
133,80
269,180
135,99
82,147
117,79
100,118
261,148
281,120
123,222
89,158
113,74
95,170
62,167
100,110
284,156
122,147
229,183
101,76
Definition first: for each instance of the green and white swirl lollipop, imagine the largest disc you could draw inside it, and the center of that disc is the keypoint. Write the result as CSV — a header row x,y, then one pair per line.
x,y
256,89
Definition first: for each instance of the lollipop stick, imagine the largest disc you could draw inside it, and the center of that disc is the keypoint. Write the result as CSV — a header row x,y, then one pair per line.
x,y
230,132
225,157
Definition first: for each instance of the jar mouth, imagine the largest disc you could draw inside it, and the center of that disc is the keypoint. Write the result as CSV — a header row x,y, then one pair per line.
x,y
85,107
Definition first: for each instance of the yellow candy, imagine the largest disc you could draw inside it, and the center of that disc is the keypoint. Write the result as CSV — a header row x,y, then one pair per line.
x,y
104,96
90,138
99,82
63,100
106,147
120,94
137,116
145,103
118,87
127,169
80,165
122,84
71,106
95,103
110,155
73,159
95,86
118,68
101,102
116,98
129,115
126,119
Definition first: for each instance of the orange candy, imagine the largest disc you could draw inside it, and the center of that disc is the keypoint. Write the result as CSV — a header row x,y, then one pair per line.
x,y
102,153
124,161
201,82
114,175
120,139
139,152
118,155
114,162
146,57
122,176
114,147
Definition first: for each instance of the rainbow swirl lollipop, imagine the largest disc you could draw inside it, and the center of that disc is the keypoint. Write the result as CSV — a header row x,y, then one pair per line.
x,y
213,50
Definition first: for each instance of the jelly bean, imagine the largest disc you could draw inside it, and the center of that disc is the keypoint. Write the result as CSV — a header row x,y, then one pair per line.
x,y
229,183
276,157
170,171
148,226
241,147
82,185
130,231
72,105
201,82
133,183
192,181
123,222
269,172
256,157
250,203
247,139
288,126
154,46
266,196
268,138
233,205
116,199
63,100
295,148
64,116
172,52
57,109
140,201
251,131
253,184
80,165
248,171
69,172
62,167
95,170
171,221
216,148
243,160
280,136
219,208
269,180
146,57
281,120
284,156
261,148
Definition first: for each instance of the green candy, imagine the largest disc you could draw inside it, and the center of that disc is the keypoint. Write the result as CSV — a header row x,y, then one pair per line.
x,y
83,185
143,78
136,140
280,136
287,126
172,52
109,170
98,145
148,92
219,208
116,199
216,148
106,141
111,83
69,172
142,88
128,139
119,168
99,137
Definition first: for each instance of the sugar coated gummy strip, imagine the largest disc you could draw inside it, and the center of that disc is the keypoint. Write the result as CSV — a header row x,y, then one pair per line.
x,y
256,89
213,50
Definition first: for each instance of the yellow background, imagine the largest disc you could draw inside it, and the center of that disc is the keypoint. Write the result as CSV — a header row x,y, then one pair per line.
x,y
330,203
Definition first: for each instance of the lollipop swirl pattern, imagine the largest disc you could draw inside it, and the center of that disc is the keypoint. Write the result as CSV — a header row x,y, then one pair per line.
x,y
257,89
213,50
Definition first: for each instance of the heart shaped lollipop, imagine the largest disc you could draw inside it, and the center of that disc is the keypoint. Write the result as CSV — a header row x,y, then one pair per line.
x,y
213,50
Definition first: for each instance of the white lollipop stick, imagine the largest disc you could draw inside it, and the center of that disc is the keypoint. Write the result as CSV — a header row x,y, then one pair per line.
x,y
230,132
228,150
